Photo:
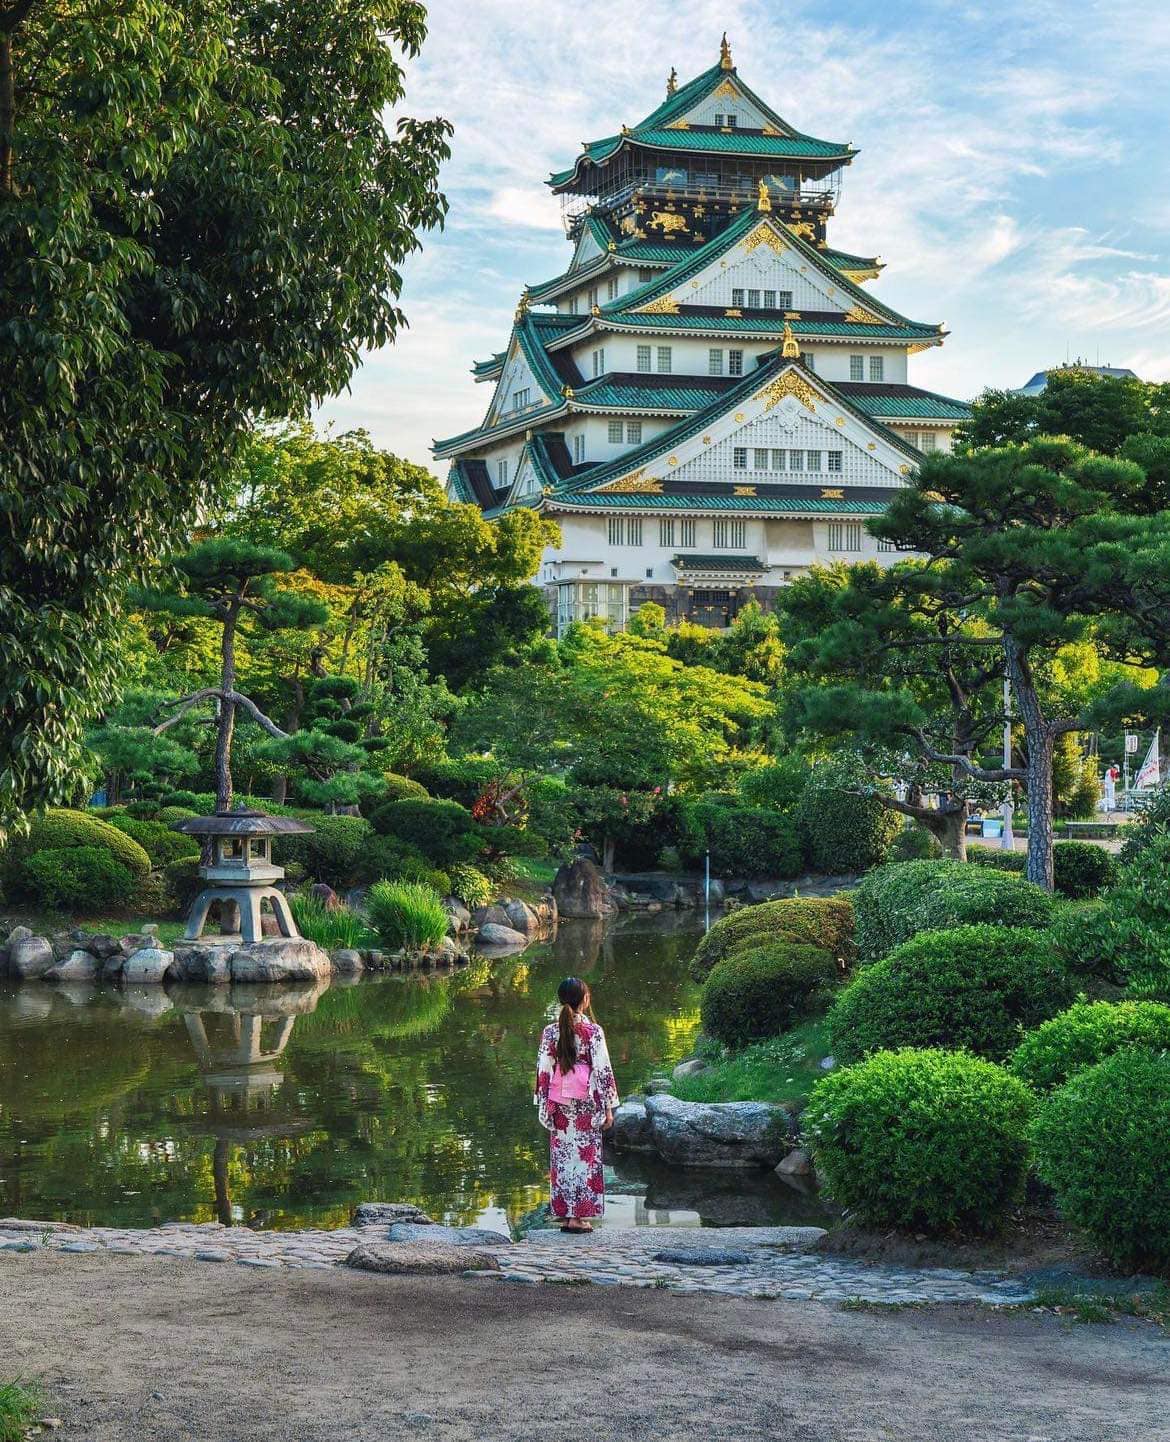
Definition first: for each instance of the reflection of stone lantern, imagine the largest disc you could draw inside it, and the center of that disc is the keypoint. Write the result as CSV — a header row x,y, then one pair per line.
x,y
239,872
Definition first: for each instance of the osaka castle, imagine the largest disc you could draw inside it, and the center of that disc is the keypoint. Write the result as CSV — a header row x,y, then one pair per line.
x,y
707,400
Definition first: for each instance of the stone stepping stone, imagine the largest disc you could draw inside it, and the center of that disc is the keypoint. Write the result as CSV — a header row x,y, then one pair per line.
x,y
432,1258
458,1236
704,1257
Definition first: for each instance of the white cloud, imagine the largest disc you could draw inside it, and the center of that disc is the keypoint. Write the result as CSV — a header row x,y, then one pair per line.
x,y
517,205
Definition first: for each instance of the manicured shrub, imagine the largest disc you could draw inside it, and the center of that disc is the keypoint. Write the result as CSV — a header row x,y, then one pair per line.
x,y
142,810
743,840
168,815
403,788
461,780
842,830
1082,870
1100,1144
997,860
332,852
976,987
443,831
470,885
915,843
192,800
1126,938
896,902
78,878
920,1139
1152,823
60,829
157,839
762,990
406,913
183,883
822,921
777,786
1086,1034
337,926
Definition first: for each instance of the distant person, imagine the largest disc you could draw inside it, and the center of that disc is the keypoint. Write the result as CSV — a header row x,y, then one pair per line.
x,y
575,1096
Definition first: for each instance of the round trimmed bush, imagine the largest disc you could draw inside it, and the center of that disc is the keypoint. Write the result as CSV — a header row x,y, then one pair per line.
x,y
976,987
762,990
746,841
332,852
79,878
921,1139
60,829
915,843
896,902
1081,870
1086,1034
842,830
168,815
443,831
403,788
821,921
159,841
1100,1144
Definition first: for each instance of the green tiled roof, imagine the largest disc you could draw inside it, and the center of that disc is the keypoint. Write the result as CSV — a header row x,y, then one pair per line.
x,y
843,260
654,501
762,325
680,397
493,363
909,404
708,142
717,563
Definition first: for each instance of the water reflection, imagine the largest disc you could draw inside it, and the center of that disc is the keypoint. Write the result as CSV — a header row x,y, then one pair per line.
x,y
283,1107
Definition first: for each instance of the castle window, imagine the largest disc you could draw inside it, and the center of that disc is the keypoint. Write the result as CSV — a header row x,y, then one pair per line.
x,y
728,534
778,460
592,296
686,532
737,299
731,120
578,449
634,433
809,359
735,362
714,362
666,532
617,530
856,367
886,546
634,531
739,458
643,357
784,298
753,300
615,433
812,461
501,474
928,441
769,300
611,287
645,273
796,460
664,358
844,535
719,119
835,459
760,459
521,398
599,362
877,368
572,305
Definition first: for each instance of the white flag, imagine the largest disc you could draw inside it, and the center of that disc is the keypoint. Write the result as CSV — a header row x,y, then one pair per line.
x,y
1150,774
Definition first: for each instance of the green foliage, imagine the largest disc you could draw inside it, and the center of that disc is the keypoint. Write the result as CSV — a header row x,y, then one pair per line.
x,y
1152,823
781,1069
330,927
761,990
1100,412
145,268
1127,938
823,922
403,788
921,1140
1085,1034
743,840
844,825
470,885
157,839
443,831
183,883
896,902
168,815
58,829
915,843
78,878
975,987
779,785
406,913
1080,869
20,1406
1100,1144
333,852
457,780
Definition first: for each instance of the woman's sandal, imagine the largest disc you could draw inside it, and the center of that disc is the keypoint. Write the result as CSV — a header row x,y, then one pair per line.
x,y
577,1231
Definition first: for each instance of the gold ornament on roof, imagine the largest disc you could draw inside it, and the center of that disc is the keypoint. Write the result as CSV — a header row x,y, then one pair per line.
x,y
679,125
791,383
664,305
770,129
743,490
567,392
763,235
832,493
625,130
636,482
669,221
763,199
790,350
726,88
858,315
672,81
725,62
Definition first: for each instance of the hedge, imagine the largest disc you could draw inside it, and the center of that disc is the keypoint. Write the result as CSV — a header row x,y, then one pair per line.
x,y
443,831
825,922
402,788
58,829
976,987
1100,1144
1086,1034
160,842
896,902
747,841
841,830
332,852
762,990
1079,869
1126,936
79,878
920,1139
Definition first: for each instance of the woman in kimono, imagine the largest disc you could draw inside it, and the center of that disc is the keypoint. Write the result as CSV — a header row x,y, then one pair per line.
x,y
575,1097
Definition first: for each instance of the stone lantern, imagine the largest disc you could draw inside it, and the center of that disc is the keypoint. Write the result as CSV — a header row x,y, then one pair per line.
x,y
239,873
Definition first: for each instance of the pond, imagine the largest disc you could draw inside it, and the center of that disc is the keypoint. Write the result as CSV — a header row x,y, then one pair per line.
x,y
283,1107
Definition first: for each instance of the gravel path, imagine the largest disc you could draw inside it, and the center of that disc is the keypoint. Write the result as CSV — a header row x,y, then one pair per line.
x,y
133,1348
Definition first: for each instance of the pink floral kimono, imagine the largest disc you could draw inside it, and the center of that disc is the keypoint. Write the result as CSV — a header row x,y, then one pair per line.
x,y
572,1110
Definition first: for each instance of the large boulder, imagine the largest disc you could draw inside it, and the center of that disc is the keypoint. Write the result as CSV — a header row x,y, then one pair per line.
x,y
521,917
386,1214
30,957
491,934
490,915
429,1231
205,962
148,966
580,890
432,1258
347,961
631,1128
711,1134
283,959
79,965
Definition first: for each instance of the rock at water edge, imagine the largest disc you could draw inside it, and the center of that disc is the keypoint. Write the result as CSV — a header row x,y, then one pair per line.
x,y
718,1134
457,1236
434,1258
580,890
491,934
380,1214
30,957
148,967
79,965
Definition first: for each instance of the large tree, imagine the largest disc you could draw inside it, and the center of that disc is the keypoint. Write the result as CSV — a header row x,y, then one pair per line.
x,y
202,219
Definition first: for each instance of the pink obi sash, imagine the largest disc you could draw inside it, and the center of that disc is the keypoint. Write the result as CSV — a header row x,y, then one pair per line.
x,y
571,1088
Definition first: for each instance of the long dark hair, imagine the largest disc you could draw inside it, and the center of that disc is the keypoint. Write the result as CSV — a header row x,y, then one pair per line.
x,y
573,996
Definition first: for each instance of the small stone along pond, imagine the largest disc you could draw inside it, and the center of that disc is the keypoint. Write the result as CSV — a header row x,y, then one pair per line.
x,y
284,1107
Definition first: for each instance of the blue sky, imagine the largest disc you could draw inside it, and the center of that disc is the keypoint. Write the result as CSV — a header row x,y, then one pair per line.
x,y
1014,172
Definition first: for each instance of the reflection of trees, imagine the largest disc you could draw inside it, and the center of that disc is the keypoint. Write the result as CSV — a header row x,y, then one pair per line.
x,y
414,1088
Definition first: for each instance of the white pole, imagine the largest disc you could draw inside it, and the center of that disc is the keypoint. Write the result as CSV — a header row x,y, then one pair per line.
x,y
707,890
1007,840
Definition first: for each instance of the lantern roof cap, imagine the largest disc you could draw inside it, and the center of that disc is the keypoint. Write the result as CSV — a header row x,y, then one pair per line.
x,y
242,821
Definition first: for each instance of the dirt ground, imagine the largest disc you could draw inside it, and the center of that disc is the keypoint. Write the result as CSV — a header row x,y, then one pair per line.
x,y
159,1349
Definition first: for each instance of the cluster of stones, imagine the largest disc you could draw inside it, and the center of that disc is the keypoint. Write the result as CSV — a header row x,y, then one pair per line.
x,y
504,925
765,1262
136,958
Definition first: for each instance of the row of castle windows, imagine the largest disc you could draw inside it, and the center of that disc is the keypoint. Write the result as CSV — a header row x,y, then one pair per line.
x,y
764,460
727,534
877,368
772,299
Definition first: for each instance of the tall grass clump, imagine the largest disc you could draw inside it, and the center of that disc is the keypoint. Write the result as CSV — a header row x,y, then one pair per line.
x,y
406,913
339,926
19,1406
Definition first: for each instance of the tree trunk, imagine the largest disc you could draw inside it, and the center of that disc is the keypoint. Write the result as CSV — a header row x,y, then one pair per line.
x,y
227,717
608,850
1039,738
951,831
7,118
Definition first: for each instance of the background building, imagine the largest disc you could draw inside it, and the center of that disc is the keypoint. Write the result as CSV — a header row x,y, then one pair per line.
x,y
706,400
1039,381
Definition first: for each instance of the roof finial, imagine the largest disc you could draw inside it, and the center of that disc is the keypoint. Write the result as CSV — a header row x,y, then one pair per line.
x,y
764,202
672,81
725,62
790,350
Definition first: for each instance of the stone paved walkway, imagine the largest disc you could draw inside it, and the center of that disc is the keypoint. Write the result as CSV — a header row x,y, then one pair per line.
x,y
775,1262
